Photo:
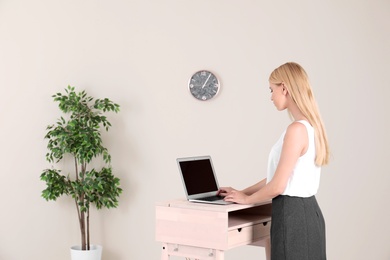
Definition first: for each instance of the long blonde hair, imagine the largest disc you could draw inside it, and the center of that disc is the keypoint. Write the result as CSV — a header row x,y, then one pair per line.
x,y
297,83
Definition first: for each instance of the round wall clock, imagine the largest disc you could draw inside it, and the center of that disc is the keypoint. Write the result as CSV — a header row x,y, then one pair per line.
x,y
204,85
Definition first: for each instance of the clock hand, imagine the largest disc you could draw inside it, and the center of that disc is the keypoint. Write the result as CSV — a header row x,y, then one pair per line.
x,y
206,80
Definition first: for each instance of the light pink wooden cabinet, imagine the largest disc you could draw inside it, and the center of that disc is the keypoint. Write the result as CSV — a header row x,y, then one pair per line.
x,y
206,231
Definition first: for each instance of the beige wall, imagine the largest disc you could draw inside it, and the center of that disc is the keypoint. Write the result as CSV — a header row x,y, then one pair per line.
x,y
141,54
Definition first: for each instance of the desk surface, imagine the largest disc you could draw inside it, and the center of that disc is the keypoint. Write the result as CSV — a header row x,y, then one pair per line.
x,y
185,204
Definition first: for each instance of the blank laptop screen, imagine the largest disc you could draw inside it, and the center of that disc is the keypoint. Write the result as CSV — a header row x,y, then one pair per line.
x,y
198,176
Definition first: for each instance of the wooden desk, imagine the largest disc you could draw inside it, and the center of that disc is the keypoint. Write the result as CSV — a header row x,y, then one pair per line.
x,y
206,231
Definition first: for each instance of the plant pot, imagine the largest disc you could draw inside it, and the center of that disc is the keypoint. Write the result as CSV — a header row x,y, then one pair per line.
x,y
95,253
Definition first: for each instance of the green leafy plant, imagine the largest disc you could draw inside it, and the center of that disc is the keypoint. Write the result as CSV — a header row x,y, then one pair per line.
x,y
80,137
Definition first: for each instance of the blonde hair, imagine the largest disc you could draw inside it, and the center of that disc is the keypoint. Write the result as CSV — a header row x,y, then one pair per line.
x,y
297,83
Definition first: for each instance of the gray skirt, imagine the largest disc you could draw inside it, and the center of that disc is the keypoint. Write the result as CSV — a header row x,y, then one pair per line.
x,y
297,229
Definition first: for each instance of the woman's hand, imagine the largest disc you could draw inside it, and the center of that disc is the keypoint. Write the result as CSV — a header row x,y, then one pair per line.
x,y
223,191
236,196
233,195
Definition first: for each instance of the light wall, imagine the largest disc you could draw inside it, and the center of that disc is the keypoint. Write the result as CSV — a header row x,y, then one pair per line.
x,y
141,55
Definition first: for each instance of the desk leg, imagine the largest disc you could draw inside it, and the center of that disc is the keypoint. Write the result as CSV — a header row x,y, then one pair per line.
x,y
219,255
164,252
266,243
268,249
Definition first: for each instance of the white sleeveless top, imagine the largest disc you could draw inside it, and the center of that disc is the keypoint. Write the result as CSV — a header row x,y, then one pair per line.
x,y
305,177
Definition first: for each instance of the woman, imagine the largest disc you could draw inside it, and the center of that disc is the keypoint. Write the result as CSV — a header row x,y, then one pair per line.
x,y
293,176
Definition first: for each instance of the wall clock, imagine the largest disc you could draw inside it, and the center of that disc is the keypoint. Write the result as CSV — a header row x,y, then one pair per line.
x,y
204,85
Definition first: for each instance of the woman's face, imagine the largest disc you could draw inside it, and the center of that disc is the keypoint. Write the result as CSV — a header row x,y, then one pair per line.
x,y
278,96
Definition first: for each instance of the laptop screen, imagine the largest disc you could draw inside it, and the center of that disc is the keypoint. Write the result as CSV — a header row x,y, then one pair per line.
x,y
198,176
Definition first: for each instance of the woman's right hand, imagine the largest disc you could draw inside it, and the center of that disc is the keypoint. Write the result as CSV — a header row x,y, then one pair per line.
x,y
223,191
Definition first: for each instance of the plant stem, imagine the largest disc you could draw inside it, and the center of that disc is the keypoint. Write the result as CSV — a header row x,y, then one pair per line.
x,y
76,167
82,228
88,242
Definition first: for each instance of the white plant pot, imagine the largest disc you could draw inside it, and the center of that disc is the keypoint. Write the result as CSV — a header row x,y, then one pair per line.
x,y
95,253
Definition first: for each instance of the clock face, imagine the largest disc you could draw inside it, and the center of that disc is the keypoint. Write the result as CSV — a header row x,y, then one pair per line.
x,y
204,85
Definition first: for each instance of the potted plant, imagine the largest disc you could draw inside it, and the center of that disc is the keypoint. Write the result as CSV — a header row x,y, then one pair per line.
x,y
77,139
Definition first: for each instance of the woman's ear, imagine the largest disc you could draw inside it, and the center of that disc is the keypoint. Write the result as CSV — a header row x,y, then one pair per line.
x,y
284,90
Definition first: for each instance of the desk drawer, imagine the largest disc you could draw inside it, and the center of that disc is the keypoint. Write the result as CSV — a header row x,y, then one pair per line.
x,y
249,234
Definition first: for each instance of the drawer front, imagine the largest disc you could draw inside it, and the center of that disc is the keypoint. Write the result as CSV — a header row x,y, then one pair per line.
x,y
248,235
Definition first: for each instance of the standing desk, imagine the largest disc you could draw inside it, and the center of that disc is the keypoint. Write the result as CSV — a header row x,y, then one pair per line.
x,y
206,231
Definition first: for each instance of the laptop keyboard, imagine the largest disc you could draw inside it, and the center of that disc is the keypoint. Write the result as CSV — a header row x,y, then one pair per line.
x,y
212,198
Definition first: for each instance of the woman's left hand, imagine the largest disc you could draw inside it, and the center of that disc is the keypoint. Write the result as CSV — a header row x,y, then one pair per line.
x,y
237,197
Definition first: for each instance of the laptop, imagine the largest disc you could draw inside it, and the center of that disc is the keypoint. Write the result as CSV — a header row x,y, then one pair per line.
x,y
199,180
